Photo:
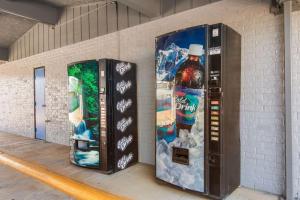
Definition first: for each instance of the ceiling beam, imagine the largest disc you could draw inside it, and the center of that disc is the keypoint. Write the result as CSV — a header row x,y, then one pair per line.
x,y
150,8
33,10
3,53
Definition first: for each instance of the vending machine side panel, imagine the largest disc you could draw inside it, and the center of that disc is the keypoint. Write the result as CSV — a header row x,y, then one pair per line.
x,y
124,109
231,88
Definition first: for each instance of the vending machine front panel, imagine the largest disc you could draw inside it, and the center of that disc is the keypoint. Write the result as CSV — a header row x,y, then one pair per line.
x,y
197,109
84,113
125,114
180,108
104,117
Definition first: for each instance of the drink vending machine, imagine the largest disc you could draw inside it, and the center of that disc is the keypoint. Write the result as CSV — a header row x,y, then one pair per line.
x,y
198,82
103,113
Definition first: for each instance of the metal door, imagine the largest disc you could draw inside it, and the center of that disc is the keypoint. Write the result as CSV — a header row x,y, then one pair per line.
x,y
180,106
39,103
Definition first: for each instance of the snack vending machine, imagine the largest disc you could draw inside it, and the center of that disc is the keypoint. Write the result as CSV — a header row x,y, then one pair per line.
x,y
103,114
198,82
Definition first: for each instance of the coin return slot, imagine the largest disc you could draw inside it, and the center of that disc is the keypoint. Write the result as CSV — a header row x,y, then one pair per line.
x,y
180,155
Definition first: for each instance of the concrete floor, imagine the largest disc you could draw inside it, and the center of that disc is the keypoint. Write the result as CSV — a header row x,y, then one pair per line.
x,y
136,182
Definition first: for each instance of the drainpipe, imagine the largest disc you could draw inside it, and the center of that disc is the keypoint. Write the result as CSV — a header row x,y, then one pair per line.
x,y
289,171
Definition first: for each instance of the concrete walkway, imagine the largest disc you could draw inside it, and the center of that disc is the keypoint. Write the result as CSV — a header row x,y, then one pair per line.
x,y
137,182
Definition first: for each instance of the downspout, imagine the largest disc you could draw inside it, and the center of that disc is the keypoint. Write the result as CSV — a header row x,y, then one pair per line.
x,y
289,171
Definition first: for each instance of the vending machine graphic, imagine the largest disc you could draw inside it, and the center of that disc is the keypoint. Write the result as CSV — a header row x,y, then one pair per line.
x,y
197,109
103,114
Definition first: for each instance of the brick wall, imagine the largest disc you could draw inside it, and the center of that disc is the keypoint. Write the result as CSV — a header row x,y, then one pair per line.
x,y
262,128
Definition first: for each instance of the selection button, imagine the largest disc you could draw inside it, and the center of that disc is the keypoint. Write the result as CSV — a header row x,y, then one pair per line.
x,y
216,118
214,102
215,107
214,123
214,113
214,133
214,128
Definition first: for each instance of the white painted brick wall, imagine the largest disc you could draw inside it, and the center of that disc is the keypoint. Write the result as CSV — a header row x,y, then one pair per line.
x,y
262,128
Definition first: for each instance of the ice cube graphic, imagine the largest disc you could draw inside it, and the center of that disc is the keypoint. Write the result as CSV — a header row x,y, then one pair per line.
x,y
87,158
186,176
169,60
186,179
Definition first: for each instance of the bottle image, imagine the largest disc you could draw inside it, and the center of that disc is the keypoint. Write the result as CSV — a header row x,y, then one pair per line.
x,y
189,81
166,111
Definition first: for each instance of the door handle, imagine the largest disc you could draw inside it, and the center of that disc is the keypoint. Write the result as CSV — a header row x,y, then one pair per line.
x,y
47,120
44,105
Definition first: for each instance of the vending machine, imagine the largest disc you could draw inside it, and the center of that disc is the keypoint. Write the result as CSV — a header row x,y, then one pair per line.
x,y
198,83
103,114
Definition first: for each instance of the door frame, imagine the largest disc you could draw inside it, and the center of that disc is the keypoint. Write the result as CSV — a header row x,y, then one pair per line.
x,y
34,102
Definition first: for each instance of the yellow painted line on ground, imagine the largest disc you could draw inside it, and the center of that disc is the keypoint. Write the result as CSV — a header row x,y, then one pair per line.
x,y
69,186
